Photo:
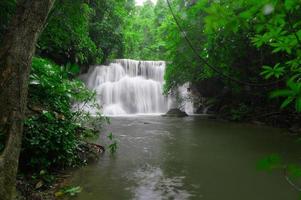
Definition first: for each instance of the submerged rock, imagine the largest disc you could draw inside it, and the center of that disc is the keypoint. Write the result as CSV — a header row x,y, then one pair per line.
x,y
175,112
89,152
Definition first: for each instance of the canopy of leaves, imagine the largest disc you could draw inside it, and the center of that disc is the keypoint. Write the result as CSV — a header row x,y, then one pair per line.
x,y
242,39
84,32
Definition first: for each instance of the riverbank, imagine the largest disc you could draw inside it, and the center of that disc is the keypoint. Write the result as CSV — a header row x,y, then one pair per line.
x,y
54,185
279,119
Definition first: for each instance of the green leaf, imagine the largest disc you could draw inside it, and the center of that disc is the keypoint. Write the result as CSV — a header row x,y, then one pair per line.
x,y
34,82
113,147
271,162
74,69
269,75
281,93
71,191
298,104
294,171
110,136
267,67
48,115
286,102
293,85
276,71
289,4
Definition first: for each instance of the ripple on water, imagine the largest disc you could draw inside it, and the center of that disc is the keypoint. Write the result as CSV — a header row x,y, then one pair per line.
x,y
160,133
153,184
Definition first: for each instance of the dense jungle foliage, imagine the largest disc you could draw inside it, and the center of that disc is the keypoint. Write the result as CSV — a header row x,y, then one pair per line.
x,y
81,32
77,34
251,49
53,131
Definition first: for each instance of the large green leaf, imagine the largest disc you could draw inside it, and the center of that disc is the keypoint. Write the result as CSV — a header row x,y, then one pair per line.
x,y
294,86
281,93
298,104
286,102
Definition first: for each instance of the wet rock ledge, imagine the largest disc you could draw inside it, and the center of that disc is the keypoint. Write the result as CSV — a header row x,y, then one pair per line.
x,y
175,112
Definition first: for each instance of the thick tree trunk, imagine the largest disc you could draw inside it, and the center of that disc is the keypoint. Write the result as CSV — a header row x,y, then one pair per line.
x,y
15,62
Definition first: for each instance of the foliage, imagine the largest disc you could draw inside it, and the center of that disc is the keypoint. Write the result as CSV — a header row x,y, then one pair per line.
x,y
106,26
270,162
275,71
141,34
237,114
84,32
42,178
76,33
241,39
46,145
52,131
251,41
292,93
275,162
113,146
67,32
68,191
273,27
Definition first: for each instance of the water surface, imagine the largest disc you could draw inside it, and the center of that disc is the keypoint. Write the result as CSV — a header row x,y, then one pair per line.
x,y
188,158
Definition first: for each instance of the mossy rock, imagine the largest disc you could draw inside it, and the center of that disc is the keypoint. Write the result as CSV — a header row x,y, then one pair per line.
x,y
175,112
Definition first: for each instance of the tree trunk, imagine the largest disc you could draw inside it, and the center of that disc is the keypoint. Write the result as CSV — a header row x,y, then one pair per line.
x,y
15,62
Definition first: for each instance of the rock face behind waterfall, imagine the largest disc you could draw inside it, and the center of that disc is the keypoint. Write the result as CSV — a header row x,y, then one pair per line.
x,y
129,87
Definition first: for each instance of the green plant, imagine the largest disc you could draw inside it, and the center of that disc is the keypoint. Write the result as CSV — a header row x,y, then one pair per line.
x,y
270,162
53,130
49,142
276,71
113,146
292,172
70,191
84,32
43,178
292,94
240,112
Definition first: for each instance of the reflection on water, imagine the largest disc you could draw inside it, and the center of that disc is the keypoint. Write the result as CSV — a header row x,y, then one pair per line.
x,y
153,184
190,158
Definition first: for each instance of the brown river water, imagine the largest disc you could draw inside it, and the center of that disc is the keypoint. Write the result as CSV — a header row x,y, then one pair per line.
x,y
187,158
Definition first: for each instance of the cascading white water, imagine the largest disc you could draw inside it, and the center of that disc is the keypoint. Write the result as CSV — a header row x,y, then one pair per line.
x,y
129,87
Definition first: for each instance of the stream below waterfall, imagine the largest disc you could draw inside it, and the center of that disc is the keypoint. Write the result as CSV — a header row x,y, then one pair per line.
x,y
187,158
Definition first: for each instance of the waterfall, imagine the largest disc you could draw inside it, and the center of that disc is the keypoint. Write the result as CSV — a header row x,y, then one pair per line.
x,y
129,87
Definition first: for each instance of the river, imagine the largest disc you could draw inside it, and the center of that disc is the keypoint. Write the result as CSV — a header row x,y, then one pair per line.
x,y
187,158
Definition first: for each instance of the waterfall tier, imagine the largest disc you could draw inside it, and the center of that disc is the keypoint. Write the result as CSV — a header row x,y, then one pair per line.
x,y
129,87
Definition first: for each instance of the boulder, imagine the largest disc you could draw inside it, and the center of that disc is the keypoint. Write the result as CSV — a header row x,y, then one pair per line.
x,y
175,112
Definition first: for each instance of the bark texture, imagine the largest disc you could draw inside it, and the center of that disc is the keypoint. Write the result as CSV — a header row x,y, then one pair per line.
x,y
16,53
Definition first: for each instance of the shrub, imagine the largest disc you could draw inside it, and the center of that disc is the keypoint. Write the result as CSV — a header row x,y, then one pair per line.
x,y
52,130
